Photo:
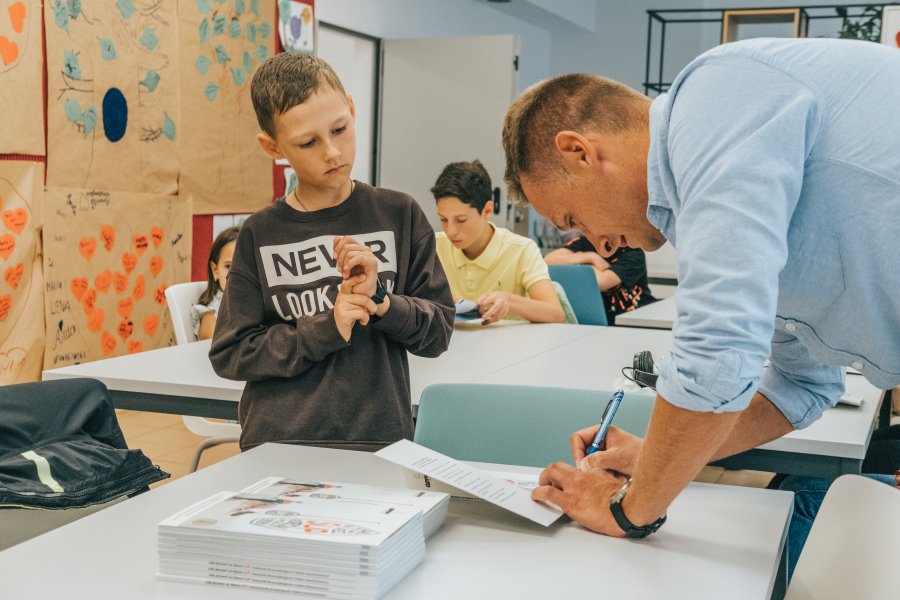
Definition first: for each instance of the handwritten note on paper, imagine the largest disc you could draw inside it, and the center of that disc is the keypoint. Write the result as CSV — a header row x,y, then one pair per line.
x,y
109,257
21,288
112,95
470,479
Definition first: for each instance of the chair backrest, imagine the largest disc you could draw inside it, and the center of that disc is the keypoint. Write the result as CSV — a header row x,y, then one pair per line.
x,y
180,297
852,548
582,290
516,425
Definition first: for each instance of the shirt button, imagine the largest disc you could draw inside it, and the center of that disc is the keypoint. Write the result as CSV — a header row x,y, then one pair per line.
x,y
857,365
790,327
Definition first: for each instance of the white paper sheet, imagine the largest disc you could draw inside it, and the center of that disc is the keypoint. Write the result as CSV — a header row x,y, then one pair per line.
x,y
469,479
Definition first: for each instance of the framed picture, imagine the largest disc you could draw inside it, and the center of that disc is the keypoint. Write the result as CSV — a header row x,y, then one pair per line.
x,y
890,26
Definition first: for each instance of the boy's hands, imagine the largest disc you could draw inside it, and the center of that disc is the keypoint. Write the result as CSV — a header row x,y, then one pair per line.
x,y
357,264
494,306
350,308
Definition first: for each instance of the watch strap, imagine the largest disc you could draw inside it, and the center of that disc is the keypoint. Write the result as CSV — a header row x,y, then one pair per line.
x,y
380,293
631,530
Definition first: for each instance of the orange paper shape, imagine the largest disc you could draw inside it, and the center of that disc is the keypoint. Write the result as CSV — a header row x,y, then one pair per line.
x,y
156,236
125,307
139,284
126,328
108,343
156,265
151,322
7,245
129,261
9,50
95,321
78,286
15,219
140,243
87,247
17,16
108,235
14,275
89,301
120,282
102,281
135,346
159,294
5,306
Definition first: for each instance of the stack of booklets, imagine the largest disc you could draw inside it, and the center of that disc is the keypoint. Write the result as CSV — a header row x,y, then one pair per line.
x,y
323,539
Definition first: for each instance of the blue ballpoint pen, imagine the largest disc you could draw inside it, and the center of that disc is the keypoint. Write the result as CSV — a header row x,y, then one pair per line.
x,y
605,421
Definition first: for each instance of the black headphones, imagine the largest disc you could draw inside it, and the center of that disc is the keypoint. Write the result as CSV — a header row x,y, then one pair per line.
x,y
643,371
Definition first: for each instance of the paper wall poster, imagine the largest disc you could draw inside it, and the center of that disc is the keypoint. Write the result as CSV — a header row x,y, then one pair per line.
x,y
21,68
890,26
296,26
108,259
223,42
112,95
22,287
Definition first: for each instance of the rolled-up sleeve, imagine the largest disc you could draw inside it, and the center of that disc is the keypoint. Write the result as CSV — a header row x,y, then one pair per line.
x,y
738,170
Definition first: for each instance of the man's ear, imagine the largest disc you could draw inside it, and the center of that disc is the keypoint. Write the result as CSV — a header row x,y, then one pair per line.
x,y
269,145
574,148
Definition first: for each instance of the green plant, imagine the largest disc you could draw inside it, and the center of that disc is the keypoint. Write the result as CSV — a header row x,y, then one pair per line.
x,y
866,26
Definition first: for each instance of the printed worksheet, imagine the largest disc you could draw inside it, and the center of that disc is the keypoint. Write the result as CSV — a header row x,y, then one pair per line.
x,y
469,479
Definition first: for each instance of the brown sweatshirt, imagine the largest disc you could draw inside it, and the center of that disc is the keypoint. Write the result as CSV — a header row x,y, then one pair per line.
x,y
276,331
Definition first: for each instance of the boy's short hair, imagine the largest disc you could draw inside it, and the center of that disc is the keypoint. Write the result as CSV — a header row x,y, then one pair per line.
x,y
286,80
468,181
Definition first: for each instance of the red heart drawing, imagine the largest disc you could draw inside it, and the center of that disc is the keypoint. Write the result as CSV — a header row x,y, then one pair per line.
x,y
156,236
156,265
5,306
129,261
108,235
87,247
78,286
95,321
140,243
126,328
135,346
159,295
9,50
138,292
151,322
107,343
7,245
120,282
17,16
102,281
125,307
89,301
14,275
15,219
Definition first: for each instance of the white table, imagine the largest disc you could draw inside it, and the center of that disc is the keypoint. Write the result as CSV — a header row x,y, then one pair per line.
x,y
719,541
657,315
834,445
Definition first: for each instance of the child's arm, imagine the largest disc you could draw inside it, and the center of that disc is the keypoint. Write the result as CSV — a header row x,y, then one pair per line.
x,y
542,305
207,325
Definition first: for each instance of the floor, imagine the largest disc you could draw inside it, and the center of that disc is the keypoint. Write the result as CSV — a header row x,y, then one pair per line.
x,y
170,445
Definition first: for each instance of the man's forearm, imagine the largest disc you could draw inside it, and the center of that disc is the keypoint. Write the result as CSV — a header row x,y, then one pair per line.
x,y
761,422
678,444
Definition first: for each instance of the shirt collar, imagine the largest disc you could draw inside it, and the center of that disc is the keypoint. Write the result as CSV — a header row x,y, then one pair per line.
x,y
488,257
659,208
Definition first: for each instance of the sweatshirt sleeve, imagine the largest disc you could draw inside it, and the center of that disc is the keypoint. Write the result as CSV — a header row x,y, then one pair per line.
x,y
421,319
246,348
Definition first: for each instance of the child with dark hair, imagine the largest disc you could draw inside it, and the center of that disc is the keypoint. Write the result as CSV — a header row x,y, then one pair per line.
x,y
203,314
497,269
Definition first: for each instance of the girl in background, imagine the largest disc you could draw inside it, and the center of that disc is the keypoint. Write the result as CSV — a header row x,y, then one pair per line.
x,y
203,314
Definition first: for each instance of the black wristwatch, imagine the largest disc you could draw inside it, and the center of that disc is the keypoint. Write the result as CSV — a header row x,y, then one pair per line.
x,y
380,293
631,530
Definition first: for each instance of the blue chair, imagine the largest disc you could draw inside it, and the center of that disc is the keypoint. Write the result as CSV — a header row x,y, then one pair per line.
x,y
516,425
581,289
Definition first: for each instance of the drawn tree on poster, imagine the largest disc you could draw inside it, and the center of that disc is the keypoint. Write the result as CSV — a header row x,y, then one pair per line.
x,y
112,94
296,26
109,257
223,42
21,115
20,289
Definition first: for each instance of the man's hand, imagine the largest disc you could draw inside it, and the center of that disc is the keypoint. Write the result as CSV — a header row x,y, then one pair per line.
x,y
620,455
583,495
350,308
357,262
493,306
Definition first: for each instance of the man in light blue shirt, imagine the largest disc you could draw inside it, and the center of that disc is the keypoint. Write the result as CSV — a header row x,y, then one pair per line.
x,y
773,168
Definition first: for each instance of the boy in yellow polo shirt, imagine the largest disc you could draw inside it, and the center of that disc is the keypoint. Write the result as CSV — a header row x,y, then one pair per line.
x,y
502,272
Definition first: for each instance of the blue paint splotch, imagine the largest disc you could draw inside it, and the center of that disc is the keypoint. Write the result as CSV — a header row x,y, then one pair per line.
x,y
251,32
73,111
238,75
107,48
211,91
115,114
204,30
219,23
168,127
61,16
126,8
204,6
235,28
202,64
221,54
151,80
149,39
74,7
89,120
262,52
71,66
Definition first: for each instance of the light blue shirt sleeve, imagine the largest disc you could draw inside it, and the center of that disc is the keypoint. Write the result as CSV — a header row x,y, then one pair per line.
x,y
739,132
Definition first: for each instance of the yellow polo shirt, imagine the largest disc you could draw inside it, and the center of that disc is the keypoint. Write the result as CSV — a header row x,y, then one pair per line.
x,y
510,263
